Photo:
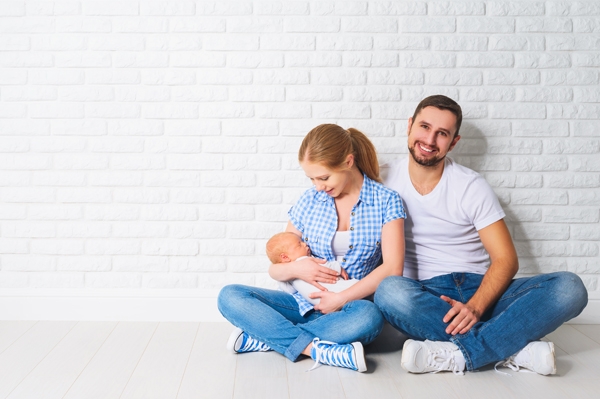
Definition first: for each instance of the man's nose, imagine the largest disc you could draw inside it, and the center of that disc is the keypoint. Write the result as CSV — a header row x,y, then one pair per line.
x,y
430,138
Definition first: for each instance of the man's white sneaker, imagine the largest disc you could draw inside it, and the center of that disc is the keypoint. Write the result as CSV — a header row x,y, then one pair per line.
x,y
240,342
537,356
432,357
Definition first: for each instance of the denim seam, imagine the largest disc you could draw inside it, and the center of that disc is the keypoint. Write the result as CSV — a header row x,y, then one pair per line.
x,y
301,342
257,295
468,361
458,285
519,293
492,321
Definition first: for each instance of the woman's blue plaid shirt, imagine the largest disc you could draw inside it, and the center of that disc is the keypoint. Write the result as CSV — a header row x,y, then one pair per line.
x,y
314,215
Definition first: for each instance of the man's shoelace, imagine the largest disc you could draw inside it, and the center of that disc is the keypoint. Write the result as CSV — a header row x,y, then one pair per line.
x,y
511,364
443,360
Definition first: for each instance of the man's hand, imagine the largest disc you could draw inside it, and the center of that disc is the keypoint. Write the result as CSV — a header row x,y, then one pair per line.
x,y
462,316
330,301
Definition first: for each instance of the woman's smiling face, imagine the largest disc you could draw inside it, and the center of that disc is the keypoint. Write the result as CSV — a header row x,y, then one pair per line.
x,y
331,181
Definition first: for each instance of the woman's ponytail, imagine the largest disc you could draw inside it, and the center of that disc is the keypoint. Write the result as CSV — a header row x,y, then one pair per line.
x,y
330,144
365,154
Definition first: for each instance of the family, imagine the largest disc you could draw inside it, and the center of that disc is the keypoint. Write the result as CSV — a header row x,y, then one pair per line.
x,y
426,250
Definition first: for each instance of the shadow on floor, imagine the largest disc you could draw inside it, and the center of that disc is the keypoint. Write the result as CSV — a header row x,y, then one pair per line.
x,y
390,340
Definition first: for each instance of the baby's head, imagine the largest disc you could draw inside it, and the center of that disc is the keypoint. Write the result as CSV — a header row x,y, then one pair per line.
x,y
286,247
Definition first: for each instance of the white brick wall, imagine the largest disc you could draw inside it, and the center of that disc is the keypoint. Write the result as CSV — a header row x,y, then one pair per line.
x,y
152,144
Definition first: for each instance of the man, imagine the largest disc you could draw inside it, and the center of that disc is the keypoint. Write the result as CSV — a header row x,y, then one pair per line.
x,y
457,301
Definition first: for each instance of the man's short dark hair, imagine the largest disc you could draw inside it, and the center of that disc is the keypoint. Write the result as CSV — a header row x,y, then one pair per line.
x,y
441,102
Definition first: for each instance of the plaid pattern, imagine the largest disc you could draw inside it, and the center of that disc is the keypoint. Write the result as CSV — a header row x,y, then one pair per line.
x,y
303,305
315,216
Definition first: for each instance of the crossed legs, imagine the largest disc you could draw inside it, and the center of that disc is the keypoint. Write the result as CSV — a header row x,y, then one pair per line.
x,y
528,310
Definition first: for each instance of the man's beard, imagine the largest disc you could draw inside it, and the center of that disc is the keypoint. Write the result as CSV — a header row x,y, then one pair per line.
x,y
430,162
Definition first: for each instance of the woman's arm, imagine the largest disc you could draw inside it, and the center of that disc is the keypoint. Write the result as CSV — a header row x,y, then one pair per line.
x,y
392,251
308,269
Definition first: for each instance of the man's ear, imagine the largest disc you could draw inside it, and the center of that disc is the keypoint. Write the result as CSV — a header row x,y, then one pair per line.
x,y
410,122
454,141
284,258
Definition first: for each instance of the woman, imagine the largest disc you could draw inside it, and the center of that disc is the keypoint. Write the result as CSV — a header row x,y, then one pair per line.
x,y
348,215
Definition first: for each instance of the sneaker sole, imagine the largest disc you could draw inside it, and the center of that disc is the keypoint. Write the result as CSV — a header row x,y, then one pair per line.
x,y
405,360
233,338
551,345
360,357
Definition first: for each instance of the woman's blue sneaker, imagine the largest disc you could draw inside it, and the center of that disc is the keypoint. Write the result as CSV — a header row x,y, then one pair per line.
x,y
350,356
240,342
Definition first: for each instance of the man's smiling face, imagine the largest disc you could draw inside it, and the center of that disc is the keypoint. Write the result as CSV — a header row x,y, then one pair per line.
x,y
431,135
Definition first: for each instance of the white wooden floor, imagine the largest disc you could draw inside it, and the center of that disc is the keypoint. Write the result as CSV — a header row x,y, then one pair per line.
x,y
88,360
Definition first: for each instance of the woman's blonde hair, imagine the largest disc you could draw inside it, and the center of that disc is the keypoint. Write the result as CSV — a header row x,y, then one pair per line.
x,y
331,144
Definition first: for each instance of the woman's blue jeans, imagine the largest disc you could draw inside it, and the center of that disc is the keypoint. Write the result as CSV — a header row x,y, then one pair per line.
x,y
273,318
529,309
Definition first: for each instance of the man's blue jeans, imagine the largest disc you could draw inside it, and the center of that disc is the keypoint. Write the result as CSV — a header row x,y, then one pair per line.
x,y
529,309
272,317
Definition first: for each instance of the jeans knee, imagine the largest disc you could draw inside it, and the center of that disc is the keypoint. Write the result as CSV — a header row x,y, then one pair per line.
x,y
394,293
372,315
230,297
367,320
570,292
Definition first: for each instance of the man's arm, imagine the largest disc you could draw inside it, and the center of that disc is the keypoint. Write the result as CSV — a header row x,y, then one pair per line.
x,y
504,265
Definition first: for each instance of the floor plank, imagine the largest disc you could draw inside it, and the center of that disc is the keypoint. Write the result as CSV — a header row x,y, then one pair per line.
x,y
574,378
584,349
479,384
109,371
581,388
161,368
188,360
383,358
360,386
53,376
423,386
529,385
17,361
260,374
322,382
590,330
249,388
210,372
567,367
10,331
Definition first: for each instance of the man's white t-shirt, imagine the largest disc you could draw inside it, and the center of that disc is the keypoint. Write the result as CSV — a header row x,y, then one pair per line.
x,y
441,228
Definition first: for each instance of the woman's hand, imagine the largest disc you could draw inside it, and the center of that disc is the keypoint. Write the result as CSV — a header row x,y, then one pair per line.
x,y
311,271
330,301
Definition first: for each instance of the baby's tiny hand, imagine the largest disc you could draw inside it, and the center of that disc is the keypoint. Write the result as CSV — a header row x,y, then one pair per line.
x,y
343,274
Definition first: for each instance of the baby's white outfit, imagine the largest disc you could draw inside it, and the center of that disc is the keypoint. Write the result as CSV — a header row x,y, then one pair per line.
x,y
305,288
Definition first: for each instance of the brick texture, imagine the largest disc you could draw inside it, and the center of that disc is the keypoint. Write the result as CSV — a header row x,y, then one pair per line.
x,y
152,144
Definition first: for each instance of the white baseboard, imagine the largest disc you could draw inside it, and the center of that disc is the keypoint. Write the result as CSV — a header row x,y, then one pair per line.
x,y
110,305
146,305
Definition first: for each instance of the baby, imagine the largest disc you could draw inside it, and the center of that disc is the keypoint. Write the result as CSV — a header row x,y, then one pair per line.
x,y
288,247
